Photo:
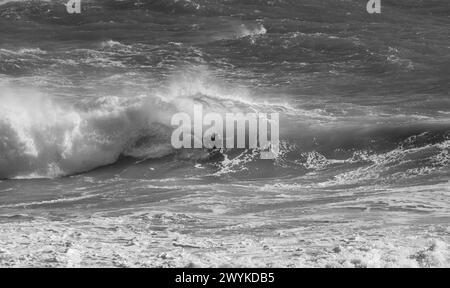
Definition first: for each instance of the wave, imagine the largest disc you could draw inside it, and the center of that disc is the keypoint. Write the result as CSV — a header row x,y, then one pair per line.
x,y
21,61
45,137
419,152
41,136
246,31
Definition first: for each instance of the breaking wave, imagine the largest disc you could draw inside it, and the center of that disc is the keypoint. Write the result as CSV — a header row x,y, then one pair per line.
x,y
41,137
46,137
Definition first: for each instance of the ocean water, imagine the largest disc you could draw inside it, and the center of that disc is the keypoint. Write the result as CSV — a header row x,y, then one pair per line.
x,y
89,176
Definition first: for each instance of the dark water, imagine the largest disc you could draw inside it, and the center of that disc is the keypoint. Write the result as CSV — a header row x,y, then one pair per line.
x,y
363,100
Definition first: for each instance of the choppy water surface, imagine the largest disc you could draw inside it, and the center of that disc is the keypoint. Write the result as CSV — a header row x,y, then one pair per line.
x,y
85,106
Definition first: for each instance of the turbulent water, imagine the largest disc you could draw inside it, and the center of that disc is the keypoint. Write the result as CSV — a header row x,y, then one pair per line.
x,y
362,178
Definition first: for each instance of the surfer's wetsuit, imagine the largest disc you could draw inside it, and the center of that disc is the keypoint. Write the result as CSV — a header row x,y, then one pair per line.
x,y
214,149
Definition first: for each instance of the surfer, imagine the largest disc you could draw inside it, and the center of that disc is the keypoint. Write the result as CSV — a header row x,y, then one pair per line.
x,y
214,150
